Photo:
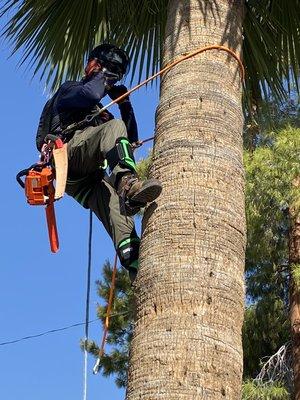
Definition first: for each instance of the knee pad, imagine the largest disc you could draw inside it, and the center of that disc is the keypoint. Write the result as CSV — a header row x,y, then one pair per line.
x,y
121,154
128,252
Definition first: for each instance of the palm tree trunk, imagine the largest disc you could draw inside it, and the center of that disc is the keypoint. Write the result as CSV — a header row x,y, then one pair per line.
x,y
190,287
294,258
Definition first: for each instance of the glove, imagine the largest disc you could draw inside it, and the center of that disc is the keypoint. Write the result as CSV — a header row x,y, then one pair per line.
x,y
106,116
116,91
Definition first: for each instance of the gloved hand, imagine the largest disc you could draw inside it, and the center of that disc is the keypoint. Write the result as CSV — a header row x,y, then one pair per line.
x,y
116,91
106,116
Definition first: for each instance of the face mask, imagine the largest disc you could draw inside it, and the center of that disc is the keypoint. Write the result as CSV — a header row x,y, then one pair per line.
x,y
110,77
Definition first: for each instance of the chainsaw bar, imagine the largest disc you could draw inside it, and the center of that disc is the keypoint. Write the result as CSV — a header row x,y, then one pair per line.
x,y
52,229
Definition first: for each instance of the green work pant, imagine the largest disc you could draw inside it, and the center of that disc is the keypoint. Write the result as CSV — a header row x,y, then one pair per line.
x,y
87,182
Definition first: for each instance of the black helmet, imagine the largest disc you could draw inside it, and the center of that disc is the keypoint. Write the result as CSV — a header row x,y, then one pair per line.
x,y
111,57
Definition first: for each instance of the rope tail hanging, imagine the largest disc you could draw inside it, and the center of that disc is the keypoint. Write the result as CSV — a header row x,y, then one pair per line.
x,y
87,305
107,317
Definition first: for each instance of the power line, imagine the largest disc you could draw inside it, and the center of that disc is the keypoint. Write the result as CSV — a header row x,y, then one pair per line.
x,y
46,332
57,330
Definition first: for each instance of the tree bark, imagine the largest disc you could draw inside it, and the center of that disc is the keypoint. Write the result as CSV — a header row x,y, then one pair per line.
x,y
190,286
294,259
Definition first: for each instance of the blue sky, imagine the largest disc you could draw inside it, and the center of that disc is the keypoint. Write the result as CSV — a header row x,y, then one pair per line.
x,y
40,291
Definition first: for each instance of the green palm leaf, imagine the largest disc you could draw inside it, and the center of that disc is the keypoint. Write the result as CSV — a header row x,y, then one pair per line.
x,y
271,48
55,37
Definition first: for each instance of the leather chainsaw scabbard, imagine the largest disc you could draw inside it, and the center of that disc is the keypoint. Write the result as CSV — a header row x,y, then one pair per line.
x,y
61,170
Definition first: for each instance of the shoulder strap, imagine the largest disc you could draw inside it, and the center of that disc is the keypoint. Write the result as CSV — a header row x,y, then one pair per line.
x,y
44,126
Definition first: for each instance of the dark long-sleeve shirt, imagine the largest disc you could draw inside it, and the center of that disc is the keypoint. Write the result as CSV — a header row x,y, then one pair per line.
x,y
82,97
74,101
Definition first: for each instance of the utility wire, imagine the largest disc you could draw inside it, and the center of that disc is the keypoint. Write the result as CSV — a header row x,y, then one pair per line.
x,y
57,330
46,332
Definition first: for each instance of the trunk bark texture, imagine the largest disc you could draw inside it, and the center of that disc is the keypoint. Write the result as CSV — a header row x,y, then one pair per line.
x,y
294,258
190,286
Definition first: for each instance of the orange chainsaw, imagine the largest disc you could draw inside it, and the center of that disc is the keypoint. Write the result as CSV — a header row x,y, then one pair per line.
x,y
39,182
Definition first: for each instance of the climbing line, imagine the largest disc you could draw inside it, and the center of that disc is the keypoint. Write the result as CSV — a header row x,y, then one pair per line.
x,y
108,311
141,142
173,63
87,305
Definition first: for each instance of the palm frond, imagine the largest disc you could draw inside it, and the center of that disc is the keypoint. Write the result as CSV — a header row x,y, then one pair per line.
x,y
55,37
271,49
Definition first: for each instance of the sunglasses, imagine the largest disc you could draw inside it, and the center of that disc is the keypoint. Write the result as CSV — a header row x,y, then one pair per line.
x,y
115,68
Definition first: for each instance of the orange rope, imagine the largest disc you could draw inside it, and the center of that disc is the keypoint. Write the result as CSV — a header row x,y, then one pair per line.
x,y
109,306
172,64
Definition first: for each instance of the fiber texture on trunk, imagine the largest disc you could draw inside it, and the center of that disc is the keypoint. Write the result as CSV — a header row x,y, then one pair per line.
x,y
190,286
294,259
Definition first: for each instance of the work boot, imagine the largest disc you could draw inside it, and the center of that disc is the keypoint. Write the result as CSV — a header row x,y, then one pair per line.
x,y
132,271
136,193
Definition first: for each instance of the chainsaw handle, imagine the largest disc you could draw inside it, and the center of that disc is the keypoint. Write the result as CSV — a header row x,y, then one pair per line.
x,y
23,173
19,175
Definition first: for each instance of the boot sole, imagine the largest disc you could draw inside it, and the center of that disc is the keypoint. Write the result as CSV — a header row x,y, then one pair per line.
x,y
148,192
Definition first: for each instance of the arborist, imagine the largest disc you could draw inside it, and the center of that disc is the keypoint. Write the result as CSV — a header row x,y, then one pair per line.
x,y
116,197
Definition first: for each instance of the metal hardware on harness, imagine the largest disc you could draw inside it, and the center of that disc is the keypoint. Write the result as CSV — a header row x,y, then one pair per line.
x,y
79,125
